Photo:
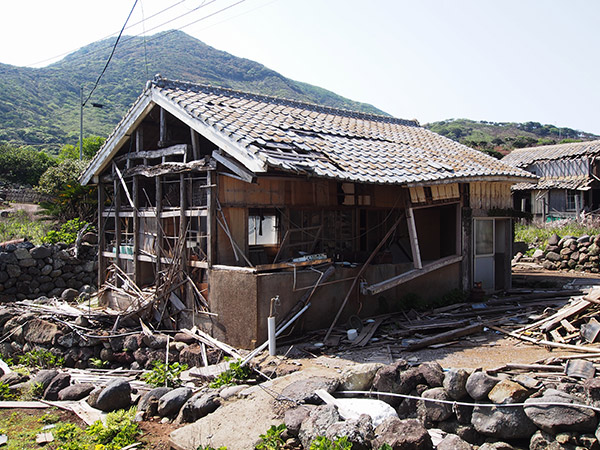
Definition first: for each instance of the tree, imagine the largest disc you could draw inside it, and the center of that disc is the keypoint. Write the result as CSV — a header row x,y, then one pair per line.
x,y
90,147
23,165
68,199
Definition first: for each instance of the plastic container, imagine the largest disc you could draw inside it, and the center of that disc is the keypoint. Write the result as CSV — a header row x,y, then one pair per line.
x,y
352,334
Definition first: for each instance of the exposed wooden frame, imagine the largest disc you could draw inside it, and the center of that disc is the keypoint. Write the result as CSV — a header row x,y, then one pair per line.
x,y
136,231
414,238
211,221
101,234
243,173
174,150
376,288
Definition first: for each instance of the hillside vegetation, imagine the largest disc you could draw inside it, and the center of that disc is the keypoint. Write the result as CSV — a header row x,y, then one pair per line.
x,y
40,107
499,138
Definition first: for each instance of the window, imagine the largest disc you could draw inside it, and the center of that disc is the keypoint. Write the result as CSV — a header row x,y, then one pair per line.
x,y
571,200
263,228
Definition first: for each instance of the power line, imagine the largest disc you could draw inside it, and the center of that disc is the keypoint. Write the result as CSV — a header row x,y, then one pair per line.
x,y
107,36
111,54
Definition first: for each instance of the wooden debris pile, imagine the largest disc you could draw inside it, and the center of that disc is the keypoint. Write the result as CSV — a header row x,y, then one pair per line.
x,y
573,326
447,325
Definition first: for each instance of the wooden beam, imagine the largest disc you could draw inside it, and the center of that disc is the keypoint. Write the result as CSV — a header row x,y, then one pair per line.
x,y
211,224
163,125
159,229
195,137
102,265
445,337
174,150
117,203
136,232
120,177
235,167
414,239
376,288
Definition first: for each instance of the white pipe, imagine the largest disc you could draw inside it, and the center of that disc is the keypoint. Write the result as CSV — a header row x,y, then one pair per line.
x,y
272,337
257,350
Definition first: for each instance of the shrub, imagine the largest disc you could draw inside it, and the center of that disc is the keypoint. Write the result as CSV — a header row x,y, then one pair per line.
x,y
41,358
67,232
23,164
235,372
323,443
272,439
164,375
120,430
19,225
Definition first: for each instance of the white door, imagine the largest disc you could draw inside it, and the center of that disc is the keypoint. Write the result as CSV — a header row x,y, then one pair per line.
x,y
484,245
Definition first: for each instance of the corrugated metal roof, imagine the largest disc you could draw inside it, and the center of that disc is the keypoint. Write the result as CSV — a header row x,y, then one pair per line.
x,y
581,182
523,157
326,142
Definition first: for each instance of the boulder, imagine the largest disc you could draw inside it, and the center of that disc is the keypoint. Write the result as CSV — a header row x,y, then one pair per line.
x,y
553,256
502,422
116,395
432,373
69,294
507,391
41,252
303,391
170,403
358,431
231,391
359,378
39,331
76,391
12,378
556,418
155,341
407,434
554,239
435,411
538,254
453,442
479,384
455,383
198,406
294,417
317,423
58,383
43,378
148,403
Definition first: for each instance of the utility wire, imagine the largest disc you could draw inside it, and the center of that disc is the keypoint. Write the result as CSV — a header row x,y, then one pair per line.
x,y
111,54
108,36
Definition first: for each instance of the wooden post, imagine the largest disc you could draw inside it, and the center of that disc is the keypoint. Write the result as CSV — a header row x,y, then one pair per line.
x,y
183,218
117,194
136,230
163,129
414,239
101,234
159,229
195,144
211,219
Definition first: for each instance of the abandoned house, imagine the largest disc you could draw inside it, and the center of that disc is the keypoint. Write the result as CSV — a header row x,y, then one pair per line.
x,y
268,205
569,179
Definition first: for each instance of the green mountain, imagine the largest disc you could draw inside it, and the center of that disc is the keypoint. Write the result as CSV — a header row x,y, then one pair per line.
x,y
499,138
40,106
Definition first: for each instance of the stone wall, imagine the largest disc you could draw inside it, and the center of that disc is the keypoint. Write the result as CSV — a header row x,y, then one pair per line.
x,y
580,254
21,195
29,272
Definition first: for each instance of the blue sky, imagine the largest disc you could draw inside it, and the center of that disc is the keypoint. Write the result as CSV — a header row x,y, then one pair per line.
x,y
431,60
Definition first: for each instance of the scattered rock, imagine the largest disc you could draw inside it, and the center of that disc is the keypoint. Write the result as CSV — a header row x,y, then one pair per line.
x,y
507,391
359,378
479,384
76,391
358,431
556,418
435,411
148,403
116,395
502,422
317,423
294,417
453,442
407,434
170,403
197,407
58,383
303,391
455,383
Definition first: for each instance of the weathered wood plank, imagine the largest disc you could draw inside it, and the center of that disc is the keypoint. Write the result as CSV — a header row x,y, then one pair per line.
x,y
445,337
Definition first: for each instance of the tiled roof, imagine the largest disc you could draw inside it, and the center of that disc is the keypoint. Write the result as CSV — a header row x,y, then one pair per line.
x,y
581,182
523,157
321,141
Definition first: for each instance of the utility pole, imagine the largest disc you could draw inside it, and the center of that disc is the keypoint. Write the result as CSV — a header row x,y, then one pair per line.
x,y
80,123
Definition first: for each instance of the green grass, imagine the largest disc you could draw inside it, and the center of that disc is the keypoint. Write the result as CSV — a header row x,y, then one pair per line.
x,y
539,234
19,225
